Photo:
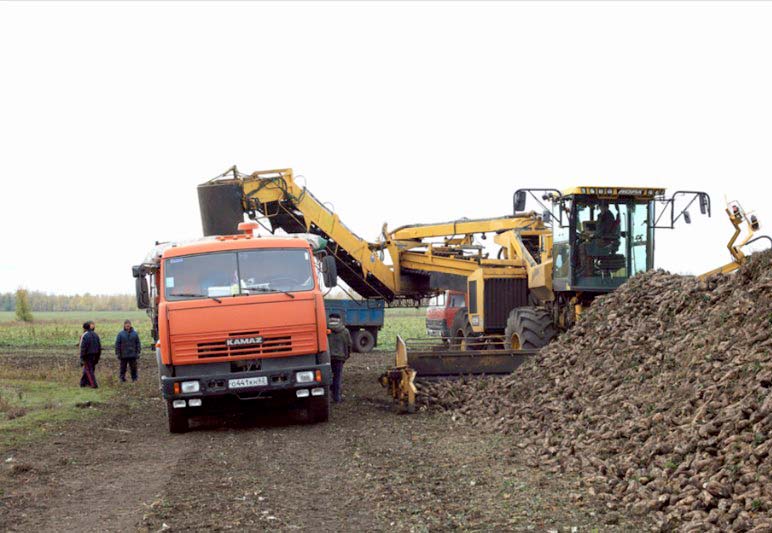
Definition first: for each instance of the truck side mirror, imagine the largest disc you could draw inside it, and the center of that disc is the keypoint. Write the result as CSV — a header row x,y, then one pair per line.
x,y
519,201
329,271
143,294
687,217
704,204
546,217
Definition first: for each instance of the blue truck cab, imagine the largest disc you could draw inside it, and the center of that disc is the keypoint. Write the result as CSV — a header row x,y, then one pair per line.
x,y
363,319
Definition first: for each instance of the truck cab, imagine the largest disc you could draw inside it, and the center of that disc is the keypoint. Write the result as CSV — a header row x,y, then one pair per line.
x,y
439,317
237,319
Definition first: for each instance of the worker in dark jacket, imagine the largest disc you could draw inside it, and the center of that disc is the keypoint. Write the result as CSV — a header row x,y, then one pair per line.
x,y
127,349
339,343
90,352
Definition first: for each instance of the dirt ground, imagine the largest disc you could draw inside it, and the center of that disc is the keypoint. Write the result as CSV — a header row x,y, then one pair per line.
x,y
368,469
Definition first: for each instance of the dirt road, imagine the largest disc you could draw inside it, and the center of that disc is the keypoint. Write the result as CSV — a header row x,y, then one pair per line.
x,y
368,469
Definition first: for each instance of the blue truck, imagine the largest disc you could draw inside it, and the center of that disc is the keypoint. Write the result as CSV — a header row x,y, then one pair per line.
x,y
363,319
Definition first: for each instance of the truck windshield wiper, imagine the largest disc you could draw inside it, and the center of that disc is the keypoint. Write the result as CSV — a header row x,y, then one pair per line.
x,y
267,289
195,295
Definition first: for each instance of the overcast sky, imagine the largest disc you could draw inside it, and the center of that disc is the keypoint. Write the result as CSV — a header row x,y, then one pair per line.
x,y
111,114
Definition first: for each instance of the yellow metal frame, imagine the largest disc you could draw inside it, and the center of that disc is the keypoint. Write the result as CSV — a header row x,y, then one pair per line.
x,y
409,247
647,193
735,250
400,380
276,185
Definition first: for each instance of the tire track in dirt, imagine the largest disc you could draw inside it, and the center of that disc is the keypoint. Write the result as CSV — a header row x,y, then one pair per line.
x,y
97,474
367,469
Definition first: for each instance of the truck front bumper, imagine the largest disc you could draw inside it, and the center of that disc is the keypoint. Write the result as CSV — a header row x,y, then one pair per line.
x,y
437,328
259,384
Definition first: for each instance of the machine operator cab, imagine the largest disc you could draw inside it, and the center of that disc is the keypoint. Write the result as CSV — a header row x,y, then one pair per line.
x,y
604,235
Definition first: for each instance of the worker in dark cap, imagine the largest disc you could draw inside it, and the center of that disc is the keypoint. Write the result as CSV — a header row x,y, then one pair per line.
x,y
127,350
90,352
339,343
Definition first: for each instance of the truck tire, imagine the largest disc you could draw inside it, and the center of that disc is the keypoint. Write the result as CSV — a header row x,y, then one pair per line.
x,y
163,370
319,407
461,332
363,340
178,421
529,328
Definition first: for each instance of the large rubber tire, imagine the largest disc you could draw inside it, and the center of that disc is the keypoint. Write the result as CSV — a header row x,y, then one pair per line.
x,y
529,328
177,420
461,332
363,340
319,407
163,370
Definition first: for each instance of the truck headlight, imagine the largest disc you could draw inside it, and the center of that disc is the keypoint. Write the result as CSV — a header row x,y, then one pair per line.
x,y
190,386
306,376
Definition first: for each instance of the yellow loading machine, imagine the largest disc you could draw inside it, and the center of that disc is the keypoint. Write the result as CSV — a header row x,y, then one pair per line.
x,y
550,264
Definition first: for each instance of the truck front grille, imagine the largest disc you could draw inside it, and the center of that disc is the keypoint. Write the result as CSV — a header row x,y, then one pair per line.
x,y
276,342
434,323
268,346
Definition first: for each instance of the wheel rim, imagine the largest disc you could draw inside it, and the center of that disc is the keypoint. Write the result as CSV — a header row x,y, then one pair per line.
x,y
514,342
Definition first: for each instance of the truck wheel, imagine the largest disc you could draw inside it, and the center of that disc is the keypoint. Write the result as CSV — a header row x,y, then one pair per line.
x,y
163,370
363,340
319,407
178,422
528,328
462,336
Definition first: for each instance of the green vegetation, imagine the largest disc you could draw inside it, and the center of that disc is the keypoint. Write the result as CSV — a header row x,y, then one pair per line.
x,y
409,323
41,301
37,397
23,311
63,329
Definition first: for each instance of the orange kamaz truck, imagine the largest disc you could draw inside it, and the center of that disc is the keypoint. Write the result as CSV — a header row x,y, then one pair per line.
x,y
238,319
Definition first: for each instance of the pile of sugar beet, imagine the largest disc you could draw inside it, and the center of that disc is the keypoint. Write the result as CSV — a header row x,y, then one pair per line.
x,y
660,399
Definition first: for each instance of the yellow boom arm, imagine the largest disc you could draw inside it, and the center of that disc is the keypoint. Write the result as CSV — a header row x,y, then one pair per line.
x,y
416,261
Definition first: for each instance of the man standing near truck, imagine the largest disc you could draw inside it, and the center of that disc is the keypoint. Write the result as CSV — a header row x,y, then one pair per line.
x,y
127,349
90,352
339,342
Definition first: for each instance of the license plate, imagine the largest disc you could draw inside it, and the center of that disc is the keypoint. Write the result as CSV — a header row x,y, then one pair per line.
x,y
243,383
433,333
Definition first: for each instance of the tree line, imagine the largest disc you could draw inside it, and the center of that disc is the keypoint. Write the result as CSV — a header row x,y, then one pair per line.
x,y
41,301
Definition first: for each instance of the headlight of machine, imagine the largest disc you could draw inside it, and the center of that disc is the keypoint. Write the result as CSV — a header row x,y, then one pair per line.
x,y
190,386
305,376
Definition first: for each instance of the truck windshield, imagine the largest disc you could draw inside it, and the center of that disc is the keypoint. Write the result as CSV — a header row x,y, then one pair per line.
x,y
237,273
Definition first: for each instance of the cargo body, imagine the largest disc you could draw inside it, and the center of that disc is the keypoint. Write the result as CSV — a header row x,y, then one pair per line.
x,y
363,319
237,319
